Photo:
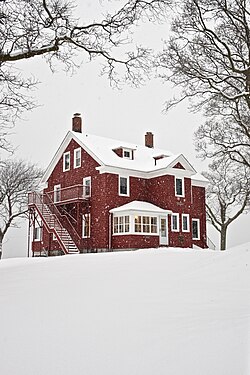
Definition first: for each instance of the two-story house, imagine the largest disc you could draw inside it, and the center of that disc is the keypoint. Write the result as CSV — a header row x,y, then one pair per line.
x,y
102,194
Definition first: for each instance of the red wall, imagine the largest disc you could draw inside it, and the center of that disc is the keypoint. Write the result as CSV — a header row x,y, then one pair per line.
x,y
104,196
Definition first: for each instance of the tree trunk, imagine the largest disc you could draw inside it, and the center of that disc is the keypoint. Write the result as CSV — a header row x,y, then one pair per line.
x,y
223,237
1,247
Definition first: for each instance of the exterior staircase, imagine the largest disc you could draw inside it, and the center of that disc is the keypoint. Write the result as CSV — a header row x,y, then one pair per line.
x,y
52,223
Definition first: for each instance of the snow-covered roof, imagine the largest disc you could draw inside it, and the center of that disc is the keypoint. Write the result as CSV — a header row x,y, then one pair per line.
x,y
140,206
145,160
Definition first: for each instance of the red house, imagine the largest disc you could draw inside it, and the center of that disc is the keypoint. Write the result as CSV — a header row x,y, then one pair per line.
x,y
102,194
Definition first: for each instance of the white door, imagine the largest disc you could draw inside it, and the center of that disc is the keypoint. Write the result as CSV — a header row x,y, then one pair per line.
x,y
163,231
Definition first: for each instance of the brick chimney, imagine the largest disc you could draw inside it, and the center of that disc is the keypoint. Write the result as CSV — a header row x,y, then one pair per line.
x,y
149,140
77,123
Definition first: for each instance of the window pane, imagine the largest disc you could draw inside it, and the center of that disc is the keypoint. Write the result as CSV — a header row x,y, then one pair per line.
x,y
137,223
146,226
184,223
195,229
120,224
126,224
123,185
178,184
115,224
66,161
153,224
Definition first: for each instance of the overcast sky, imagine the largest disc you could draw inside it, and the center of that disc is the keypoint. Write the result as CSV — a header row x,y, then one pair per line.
x,y
123,114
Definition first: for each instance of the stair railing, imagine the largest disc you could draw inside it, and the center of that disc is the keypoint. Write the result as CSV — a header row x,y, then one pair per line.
x,y
53,208
53,222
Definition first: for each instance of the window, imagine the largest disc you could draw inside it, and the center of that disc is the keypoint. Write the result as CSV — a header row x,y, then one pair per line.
x,y
57,193
86,226
195,229
77,157
127,153
175,223
66,161
87,187
54,238
123,185
37,233
179,187
145,224
185,223
121,224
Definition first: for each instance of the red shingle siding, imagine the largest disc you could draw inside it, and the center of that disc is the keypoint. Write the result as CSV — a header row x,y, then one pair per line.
x,y
159,191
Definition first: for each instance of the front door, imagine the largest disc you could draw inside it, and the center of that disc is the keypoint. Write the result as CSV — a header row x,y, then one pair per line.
x,y
163,231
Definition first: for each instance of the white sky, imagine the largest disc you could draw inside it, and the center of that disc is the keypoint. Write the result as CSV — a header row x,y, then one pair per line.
x,y
123,114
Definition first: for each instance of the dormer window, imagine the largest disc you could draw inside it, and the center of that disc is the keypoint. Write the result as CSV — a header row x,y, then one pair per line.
x,y
127,154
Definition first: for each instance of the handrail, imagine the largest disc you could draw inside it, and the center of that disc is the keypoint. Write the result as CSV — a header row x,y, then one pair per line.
x,y
70,193
54,222
58,213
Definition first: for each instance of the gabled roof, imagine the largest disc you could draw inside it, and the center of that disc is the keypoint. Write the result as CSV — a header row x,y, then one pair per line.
x,y
101,149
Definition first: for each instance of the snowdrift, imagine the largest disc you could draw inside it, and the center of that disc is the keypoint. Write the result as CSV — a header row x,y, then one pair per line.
x,y
149,312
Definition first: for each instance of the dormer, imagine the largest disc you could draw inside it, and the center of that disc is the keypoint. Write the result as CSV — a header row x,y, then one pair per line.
x,y
125,152
158,157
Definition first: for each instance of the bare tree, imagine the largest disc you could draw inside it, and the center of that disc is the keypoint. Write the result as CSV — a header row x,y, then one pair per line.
x,y
50,28
224,137
17,178
208,58
228,194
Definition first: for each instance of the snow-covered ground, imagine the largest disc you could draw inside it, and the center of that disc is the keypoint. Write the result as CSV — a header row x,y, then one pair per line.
x,y
149,312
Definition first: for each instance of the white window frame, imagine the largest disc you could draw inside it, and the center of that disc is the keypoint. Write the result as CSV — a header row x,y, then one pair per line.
x,y
182,187
119,185
121,224
65,155
188,223
55,193
124,224
86,179
129,151
177,221
76,150
38,231
84,233
198,229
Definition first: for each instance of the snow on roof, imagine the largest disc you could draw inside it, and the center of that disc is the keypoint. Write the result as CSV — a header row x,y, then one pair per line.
x,y
103,148
140,206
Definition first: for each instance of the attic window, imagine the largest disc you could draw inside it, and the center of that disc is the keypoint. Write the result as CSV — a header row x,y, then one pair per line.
x,y
127,154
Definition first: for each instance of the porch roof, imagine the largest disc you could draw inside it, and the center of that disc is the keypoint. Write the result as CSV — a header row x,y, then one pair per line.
x,y
140,206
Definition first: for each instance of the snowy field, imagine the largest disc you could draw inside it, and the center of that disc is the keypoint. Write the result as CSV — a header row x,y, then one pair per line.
x,y
150,312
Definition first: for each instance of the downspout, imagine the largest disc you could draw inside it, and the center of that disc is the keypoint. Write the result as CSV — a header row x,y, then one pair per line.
x,y
110,232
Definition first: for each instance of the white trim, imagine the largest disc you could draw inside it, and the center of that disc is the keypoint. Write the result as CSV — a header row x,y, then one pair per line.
x,y
119,186
130,151
83,225
84,184
75,153
64,159
132,224
38,230
188,223
146,175
198,229
55,192
65,142
178,222
188,172
182,186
